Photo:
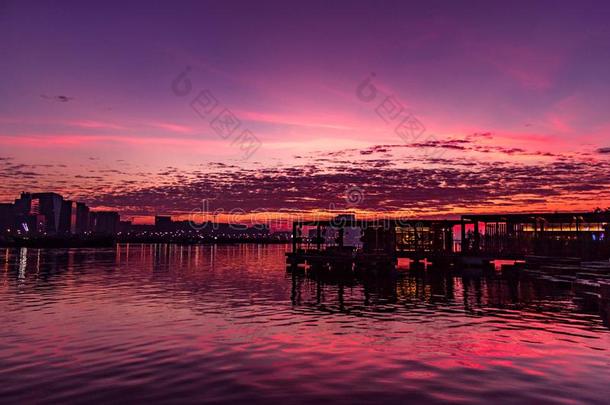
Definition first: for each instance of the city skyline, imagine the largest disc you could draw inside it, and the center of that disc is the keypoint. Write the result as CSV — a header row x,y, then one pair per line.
x,y
49,213
511,107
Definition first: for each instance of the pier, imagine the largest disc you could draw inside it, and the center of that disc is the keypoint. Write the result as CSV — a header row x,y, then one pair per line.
x,y
345,241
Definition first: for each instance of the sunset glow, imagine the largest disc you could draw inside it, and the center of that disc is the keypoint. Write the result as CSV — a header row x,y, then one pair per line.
x,y
514,107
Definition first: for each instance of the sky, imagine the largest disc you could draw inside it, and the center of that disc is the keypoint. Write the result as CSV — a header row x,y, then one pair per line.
x,y
405,108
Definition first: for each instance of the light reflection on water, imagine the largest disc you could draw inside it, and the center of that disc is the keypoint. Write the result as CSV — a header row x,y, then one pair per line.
x,y
222,324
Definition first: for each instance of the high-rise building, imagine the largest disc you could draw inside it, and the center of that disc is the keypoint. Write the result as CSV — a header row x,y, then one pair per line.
x,y
65,217
23,204
49,213
73,218
107,222
50,206
37,213
7,218
92,221
81,223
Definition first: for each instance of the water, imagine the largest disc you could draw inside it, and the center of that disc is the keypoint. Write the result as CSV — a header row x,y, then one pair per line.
x,y
229,324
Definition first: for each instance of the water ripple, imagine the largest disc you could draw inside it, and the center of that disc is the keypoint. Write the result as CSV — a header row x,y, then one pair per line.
x,y
228,324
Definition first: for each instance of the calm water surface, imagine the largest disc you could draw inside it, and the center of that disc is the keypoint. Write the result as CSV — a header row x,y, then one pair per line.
x,y
229,324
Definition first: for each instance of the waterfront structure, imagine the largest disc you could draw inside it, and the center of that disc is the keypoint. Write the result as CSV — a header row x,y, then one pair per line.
x,y
42,215
500,236
577,234
511,236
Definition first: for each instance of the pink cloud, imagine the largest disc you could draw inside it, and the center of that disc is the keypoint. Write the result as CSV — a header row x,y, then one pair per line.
x,y
183,129
532,139
50,141
282,119
96,125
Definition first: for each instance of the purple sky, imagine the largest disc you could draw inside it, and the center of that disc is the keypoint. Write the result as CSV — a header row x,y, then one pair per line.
x,y
514,99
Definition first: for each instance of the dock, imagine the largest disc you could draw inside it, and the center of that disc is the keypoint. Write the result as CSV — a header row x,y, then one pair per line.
x,y
347,242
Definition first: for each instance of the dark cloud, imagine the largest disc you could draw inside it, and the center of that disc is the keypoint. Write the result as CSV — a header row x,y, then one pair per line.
x,y
17,171
311,187
391,178
457,145
603,150
58,98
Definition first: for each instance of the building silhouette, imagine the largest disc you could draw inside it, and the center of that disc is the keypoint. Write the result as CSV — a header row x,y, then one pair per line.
x,y
7,217
164,223
48,214
107,222
65,217
50,206
81,219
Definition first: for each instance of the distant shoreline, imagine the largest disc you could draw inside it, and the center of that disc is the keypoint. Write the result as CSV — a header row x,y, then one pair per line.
x,y
106,243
